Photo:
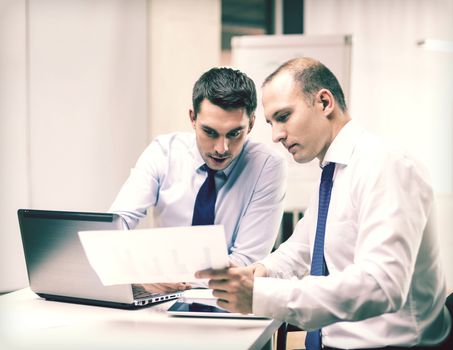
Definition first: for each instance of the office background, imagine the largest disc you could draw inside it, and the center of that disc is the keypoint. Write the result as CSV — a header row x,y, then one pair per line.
x,y
85,85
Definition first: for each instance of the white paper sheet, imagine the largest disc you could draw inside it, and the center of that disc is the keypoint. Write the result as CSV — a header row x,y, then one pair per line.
x,y
202,296
171,254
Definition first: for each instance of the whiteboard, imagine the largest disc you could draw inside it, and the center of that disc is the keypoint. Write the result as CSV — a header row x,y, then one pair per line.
x,y
260,55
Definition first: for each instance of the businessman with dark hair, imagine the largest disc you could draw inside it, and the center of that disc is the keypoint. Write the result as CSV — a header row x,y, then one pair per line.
x,y
215,175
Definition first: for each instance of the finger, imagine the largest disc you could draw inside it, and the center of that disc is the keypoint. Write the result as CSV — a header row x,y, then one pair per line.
x,y
169,287
212,273
221,294
152,287
224,304
259,270
232,264
219,284
162,288
184,286
187,285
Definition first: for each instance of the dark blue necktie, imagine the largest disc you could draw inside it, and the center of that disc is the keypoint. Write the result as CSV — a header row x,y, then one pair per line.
x,y
204,209
318,263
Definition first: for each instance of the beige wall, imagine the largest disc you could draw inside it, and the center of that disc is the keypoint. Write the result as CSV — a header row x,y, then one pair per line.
x,y
73,109
84,87
14,168
184,39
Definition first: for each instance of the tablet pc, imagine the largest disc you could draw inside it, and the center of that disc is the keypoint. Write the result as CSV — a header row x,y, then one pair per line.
x,y
188,308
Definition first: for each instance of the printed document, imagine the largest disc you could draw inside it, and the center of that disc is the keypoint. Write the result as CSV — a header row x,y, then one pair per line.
x,y
160,255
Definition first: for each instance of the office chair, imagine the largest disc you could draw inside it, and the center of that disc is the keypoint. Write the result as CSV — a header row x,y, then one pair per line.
x,y
449,303
282,334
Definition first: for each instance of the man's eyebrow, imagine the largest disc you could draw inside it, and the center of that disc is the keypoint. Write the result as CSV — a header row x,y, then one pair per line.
x,y
242,127
205,127
285,110
208,128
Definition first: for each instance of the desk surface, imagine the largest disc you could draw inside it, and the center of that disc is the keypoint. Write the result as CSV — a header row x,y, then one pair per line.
x,y
29,322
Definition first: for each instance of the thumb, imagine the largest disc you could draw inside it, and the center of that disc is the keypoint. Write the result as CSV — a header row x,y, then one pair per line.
x,y
232,264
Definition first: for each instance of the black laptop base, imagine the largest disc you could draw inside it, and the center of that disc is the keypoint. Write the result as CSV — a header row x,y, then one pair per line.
x,y
101,303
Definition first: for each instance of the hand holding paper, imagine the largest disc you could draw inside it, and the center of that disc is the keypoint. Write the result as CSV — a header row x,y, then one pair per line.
x,y
160,255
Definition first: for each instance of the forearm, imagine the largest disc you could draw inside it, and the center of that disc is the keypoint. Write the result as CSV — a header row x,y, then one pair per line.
x,y
314,301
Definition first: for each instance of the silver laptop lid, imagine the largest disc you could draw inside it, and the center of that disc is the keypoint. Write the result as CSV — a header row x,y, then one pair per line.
x,y
56,262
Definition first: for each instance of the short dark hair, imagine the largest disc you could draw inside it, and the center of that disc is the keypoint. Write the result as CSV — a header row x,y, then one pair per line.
x,y
227,88
312,76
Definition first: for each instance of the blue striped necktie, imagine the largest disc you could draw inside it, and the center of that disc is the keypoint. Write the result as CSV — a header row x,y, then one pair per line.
x,y
204,209
318,263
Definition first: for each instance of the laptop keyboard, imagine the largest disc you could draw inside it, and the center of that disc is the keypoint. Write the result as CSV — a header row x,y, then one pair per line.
x,y
141,293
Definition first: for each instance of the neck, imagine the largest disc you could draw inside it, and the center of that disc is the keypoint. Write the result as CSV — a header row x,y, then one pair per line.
x,y
338,120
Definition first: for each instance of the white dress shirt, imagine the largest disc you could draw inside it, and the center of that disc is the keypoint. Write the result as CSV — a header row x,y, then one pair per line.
x,y
250,192
386,285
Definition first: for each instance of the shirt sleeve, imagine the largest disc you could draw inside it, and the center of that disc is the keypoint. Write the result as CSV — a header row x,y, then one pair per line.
x,y
258,227
141,189
393,201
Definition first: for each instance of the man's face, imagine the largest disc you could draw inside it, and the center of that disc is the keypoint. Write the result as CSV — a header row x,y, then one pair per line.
x,y
220,134
302,128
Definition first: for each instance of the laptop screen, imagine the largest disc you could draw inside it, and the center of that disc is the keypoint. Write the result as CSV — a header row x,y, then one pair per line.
x,y
56,262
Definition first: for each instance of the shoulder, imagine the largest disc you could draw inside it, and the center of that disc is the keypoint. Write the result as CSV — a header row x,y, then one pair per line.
x,y
372,149
255,152
381,160
173,142
175,139
168,145
258,161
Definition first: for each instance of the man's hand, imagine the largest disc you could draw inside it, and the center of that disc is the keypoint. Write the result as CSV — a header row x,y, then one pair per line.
x,y
163,288
233,286
258,270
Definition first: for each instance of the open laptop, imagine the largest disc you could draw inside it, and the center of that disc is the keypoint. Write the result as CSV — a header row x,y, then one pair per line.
x,y
58,268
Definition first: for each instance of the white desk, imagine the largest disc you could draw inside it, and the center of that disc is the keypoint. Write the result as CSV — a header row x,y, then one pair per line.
x,y
29,322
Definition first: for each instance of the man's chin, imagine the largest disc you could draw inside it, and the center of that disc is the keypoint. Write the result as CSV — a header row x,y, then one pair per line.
x,y
301,159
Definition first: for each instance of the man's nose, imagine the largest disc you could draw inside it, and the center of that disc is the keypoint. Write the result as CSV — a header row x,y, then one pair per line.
x,y
278,133
222,145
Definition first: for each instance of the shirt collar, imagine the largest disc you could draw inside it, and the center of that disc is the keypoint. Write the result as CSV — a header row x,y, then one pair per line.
x,y
342,147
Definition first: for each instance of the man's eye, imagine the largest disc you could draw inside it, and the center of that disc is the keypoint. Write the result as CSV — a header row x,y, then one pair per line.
x,y
210,133
282,118
234,134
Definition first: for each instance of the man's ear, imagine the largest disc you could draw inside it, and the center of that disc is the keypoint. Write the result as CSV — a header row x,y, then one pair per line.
x,y
251,122
192,117
326,101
